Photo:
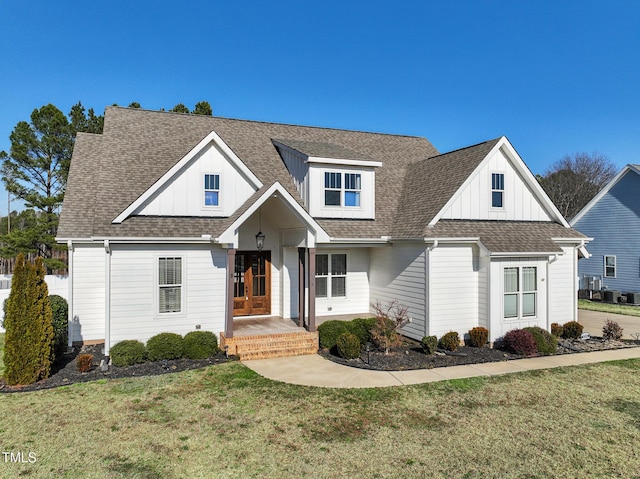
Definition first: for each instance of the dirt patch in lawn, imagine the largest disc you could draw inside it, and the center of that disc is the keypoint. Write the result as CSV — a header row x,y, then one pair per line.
x,y
65,371
411,356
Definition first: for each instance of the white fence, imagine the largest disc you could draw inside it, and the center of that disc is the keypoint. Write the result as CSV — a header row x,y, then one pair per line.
x,y
57,285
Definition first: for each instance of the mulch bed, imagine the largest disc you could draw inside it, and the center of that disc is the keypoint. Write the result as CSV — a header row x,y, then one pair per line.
x,y
65,371
410,355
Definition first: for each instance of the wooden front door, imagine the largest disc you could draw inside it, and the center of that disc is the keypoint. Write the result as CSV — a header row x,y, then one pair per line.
x,y
252,283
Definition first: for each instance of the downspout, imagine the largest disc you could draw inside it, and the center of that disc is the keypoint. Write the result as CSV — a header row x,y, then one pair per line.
x,y
107,298
70,294
428,279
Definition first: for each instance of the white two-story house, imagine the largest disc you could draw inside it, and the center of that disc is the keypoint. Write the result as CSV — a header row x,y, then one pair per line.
x,y
176,222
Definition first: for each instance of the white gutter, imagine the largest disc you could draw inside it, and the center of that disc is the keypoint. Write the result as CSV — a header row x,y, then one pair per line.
x,y
70,322
107,297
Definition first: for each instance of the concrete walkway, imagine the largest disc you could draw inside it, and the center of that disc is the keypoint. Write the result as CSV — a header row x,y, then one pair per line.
x,y
313,370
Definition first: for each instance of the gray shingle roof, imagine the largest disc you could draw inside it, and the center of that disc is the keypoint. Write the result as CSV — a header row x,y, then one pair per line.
x,y
110,171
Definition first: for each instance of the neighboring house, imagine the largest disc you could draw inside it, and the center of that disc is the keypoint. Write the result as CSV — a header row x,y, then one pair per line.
x,y
612,218
163,212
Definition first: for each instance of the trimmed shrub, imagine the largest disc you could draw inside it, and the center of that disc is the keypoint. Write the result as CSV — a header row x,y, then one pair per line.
x,y
521,342
429,344
329,331
84,362
200,344
556,330
449,341
28,349
546,343
572,330
478,337
165,346
611,330
362,327
128,352
60,312
348,346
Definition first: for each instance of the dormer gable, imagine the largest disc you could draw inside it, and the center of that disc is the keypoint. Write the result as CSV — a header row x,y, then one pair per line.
x,y
334,181
210,180
500,188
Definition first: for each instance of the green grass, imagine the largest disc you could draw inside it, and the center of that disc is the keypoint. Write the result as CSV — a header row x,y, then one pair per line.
x,y
609,308
226,421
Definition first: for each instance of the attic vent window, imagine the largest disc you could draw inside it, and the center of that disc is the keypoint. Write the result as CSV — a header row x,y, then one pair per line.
x,y
497,190
211,190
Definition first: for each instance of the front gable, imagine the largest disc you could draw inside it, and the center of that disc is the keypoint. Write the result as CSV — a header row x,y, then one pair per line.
x,y
210,181
500,188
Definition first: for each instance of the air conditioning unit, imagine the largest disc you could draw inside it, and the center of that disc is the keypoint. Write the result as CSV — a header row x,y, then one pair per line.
x,y
612,296
633,298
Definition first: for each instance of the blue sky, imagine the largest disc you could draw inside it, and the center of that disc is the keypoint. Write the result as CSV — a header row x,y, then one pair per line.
x,y
555,77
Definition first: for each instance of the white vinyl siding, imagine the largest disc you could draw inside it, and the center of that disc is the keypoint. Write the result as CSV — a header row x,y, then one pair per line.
x,y
562,287
88,293
398,273
134,292
474,201
355,284
454,289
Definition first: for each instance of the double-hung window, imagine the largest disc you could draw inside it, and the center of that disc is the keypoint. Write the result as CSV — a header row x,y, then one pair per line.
x,y
342,193
211,190
520,291
331,275
609,266
170,285
497,190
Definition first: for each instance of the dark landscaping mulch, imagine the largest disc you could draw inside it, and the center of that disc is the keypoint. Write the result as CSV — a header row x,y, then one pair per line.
x,y
411,356
65,371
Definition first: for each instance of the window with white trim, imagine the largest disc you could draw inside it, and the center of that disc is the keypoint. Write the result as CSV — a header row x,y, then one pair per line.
x,y
211,190
170,285
331,275
609,266
520,291
497,190
342,193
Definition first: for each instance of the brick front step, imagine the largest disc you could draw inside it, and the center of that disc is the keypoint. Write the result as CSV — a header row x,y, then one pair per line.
x,y
266,346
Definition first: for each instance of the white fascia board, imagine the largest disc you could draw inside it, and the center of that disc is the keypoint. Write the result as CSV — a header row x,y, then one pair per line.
x,y
230,235
603,192
524,254
342,162
204,239
73,240
355,241
520,166
175,169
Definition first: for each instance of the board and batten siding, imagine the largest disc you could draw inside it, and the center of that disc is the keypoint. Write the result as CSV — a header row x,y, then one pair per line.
x,y
88,293
454,289
474,201
357,299
290,283
614,223
184,194
134,291
398,273
562,287
297,168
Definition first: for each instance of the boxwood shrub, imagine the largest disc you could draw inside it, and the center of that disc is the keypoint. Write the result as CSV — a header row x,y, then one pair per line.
x,y
545,342
429,344
478,337
572,330
329,331
362,327
165,346
128,352
200,344
348,346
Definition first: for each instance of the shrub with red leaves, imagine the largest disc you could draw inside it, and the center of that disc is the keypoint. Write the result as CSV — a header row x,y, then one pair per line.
x,y
521,342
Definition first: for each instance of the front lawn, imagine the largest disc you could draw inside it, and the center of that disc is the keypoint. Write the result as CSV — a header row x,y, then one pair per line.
x,y
608,307
226,421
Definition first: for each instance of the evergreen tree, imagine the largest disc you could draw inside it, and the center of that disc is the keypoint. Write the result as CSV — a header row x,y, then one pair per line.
x,y
28,324
180,108
203,108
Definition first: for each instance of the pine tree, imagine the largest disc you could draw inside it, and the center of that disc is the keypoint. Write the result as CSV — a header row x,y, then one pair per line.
x,y
29,326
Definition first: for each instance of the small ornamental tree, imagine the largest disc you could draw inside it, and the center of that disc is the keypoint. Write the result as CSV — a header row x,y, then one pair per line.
x,y
389,320
28,324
